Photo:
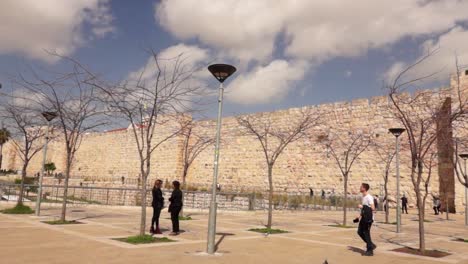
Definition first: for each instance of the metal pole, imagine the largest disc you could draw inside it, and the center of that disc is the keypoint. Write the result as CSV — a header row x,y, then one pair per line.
x,y
213,205
466,196
398,215
39,191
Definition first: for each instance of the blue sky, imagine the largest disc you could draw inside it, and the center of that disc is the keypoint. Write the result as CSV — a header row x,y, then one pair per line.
x,y
287,55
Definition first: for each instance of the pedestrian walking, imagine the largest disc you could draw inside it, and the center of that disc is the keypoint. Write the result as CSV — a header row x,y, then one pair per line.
x,y
366,218
158,205
175,207
404,204
323,194
311,192
376,202
436,204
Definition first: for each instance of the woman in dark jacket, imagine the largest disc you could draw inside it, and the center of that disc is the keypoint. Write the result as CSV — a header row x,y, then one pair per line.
x,y
158,204
175,207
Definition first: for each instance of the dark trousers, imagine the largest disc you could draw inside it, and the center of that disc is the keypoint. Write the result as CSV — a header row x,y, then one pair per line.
x,y
155,219
404,208
436,210
175,218
364,233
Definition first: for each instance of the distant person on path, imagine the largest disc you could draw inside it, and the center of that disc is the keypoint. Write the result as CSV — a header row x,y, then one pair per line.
x,y
376,202
323,194
436,205
404,204
157,204
311,192
175,207
366,218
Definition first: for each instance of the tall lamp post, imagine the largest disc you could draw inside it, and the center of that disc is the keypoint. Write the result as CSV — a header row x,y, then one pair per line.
x,y
221,72
464,156
49,116
397,132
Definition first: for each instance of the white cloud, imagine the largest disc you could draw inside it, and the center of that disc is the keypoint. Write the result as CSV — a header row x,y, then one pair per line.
x,y
29,27
190,57
266,83
448,47
316,30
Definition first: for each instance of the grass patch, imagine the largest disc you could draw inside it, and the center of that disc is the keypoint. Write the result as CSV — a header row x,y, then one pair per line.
x,y
425,220
341,226
428,253
461,240
19,209
185,218
268,230
60,222
145,239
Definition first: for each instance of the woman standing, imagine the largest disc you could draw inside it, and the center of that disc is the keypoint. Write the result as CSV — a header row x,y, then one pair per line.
x,y
175,207
158,204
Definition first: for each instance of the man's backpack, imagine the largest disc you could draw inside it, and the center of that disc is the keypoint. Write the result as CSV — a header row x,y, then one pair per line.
x,y
367,214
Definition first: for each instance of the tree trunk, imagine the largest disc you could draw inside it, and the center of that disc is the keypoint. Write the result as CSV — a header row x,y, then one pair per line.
x,y
184,188
387,211
446,206
270,196
65,192
1,156
143,206
422,241
345,200
23,178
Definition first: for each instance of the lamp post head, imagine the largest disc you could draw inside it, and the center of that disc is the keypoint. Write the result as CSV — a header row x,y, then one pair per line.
x,y
463,156
396,131
49,116
221,71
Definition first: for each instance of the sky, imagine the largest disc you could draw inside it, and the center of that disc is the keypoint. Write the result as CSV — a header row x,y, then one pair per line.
x,y
288,53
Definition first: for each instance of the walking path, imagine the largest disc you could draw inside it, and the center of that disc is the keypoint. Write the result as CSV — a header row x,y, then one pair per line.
x,y
24,238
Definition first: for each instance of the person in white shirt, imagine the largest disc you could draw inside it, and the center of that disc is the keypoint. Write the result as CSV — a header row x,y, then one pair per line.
x,y
366,218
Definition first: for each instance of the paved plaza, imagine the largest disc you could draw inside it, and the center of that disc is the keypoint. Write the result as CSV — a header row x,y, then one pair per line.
x,y
24,239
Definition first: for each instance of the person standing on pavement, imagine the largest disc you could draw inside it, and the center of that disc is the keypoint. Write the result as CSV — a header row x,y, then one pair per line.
x,y
404,204
158,205
175,207
366,218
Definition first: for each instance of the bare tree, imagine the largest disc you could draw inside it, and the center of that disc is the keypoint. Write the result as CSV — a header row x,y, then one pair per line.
x,y
155,98
4,137
345,148
420,116
274,138
26,132
386,154
193,144
74,101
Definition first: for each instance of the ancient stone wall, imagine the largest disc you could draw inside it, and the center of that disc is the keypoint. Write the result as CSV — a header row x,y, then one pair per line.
x,y
303,165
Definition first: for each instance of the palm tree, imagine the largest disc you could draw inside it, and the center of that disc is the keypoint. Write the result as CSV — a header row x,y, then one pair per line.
x,y
4,137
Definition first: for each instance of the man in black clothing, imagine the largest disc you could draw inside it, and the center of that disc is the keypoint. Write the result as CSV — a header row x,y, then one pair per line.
x,y
404,204
175,207
366,218
157,204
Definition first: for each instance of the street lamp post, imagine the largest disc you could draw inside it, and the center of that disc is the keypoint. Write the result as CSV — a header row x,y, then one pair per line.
x,y
464,156
221,72
49,116
397,132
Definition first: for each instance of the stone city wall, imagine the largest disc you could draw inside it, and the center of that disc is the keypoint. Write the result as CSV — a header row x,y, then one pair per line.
x,y
303,165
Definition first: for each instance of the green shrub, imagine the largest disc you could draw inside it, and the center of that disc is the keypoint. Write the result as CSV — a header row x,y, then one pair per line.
x,y
60,222
185,218
145,239
19,209
268,231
